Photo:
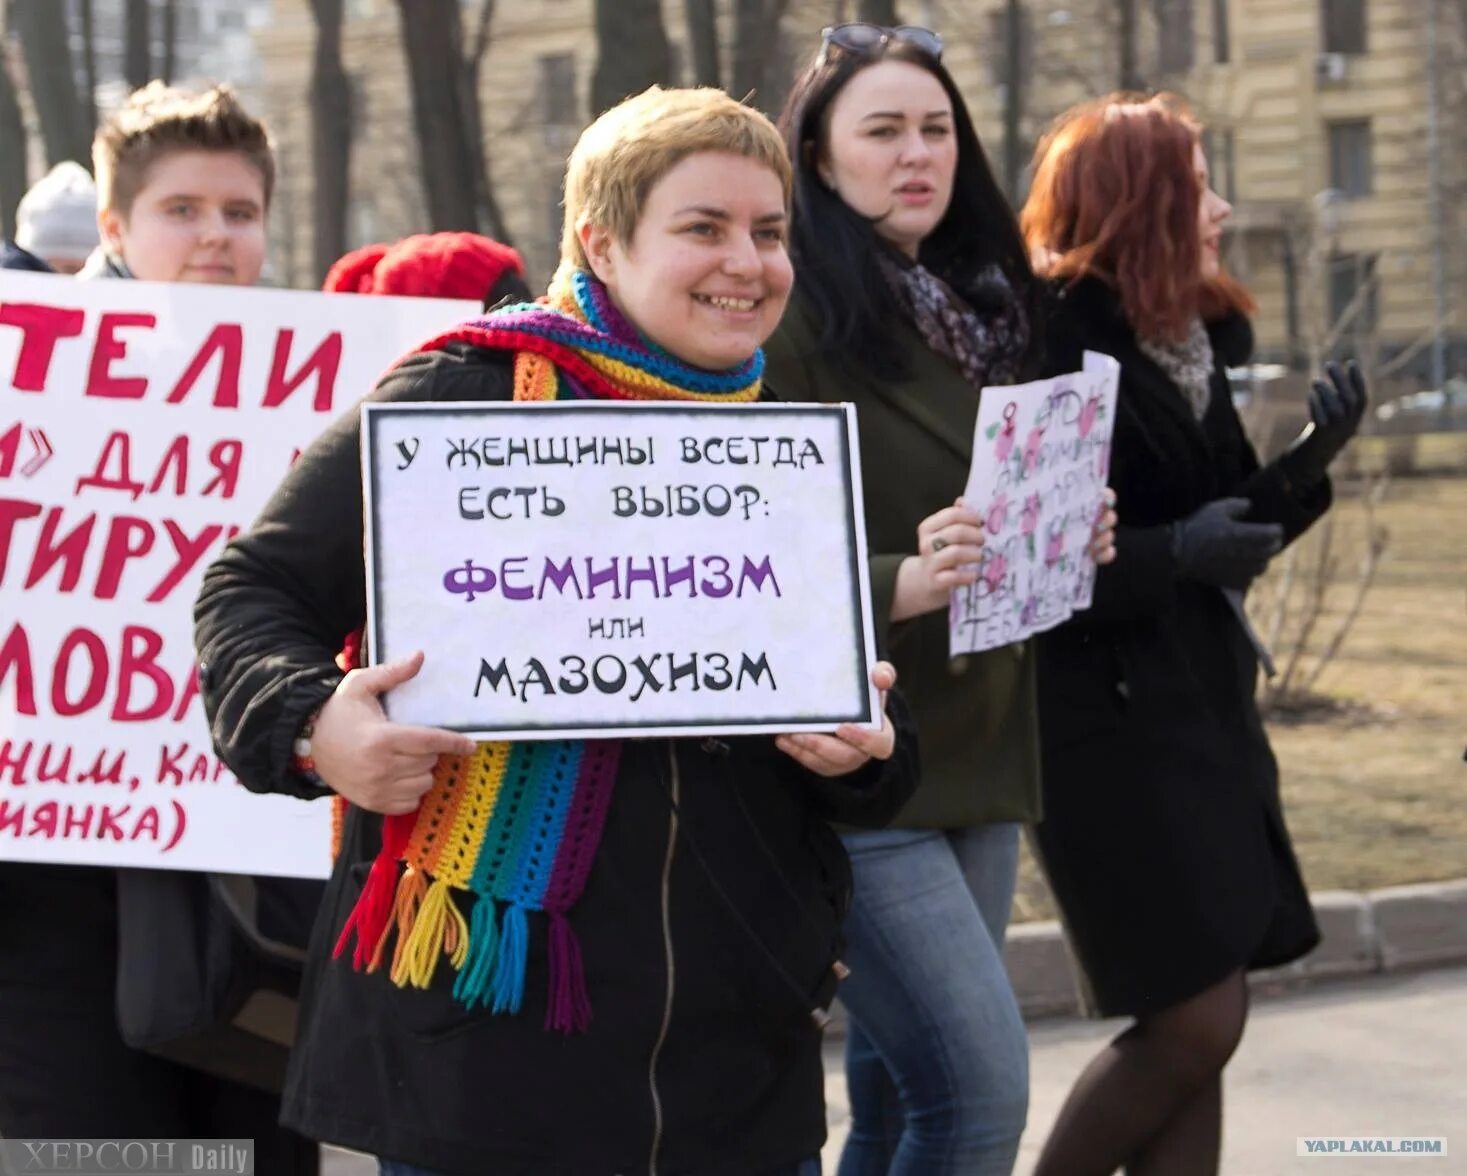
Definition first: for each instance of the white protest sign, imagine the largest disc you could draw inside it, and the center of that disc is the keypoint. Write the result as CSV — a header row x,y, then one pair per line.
x,y
142,425
1041,453
586,570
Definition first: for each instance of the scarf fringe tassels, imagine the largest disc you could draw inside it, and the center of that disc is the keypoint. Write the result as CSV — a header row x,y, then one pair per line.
x,y
513,828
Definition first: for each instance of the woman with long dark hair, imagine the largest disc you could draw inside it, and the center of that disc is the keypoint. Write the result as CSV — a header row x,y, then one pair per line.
x,y
1163,836
912,293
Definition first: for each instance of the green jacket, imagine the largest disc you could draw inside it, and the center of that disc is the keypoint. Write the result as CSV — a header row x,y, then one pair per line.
x,y
977,716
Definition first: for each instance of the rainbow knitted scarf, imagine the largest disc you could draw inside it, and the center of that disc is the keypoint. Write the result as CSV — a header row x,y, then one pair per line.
x,y
517,825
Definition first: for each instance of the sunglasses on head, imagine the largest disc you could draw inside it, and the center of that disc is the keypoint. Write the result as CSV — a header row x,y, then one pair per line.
x,y
861,37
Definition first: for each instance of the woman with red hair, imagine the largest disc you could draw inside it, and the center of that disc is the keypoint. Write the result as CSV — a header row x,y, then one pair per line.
x,y
1163,835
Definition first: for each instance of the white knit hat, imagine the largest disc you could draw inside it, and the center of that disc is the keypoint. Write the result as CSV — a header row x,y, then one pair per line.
x,y
57,218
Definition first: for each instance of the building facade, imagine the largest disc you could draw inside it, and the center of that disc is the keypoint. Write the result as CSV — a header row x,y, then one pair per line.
x,y
1318,115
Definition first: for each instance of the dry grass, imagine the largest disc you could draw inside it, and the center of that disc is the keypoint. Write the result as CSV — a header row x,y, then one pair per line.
x,y
1374,791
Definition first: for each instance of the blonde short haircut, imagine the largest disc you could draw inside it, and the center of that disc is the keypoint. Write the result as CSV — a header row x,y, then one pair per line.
x,y
620,157
159,120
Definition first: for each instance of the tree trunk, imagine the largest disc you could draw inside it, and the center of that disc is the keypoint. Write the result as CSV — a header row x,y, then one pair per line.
x,y
882,12
1127,36
12,147
43,40
703,40
1013,103
432,39
137,59
170,40
89,62
632,51
491,220
331,124
756,51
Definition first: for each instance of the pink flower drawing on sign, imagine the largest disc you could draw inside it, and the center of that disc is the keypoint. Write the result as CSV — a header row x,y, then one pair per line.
x,y
994,571
1005,444
1054,548
1102,463
1030,518
1030,611
1031,449
998,513
1087,416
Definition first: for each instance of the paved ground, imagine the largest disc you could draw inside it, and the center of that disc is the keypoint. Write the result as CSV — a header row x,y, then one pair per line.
x,y
1383,1056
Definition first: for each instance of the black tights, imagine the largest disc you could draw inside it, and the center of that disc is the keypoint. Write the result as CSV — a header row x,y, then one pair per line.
x,y
1151,1101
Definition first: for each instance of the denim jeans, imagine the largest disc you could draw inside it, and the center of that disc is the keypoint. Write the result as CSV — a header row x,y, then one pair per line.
x,y
937,1061
810,1167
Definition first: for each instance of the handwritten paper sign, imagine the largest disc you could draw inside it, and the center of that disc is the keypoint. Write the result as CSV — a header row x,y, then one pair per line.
x,y
141,426
1041,453
591,570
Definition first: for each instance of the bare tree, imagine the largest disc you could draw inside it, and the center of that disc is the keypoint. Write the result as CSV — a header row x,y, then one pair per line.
x,y
490,218
756,53
1016,33
43,39
432,38
882,12
1128,46
331,120
170,40
12,144
89,59
137,58
703,40
632,52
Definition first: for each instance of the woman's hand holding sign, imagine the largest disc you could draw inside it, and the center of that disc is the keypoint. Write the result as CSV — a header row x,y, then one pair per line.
x,y
850,747
949,546
378,765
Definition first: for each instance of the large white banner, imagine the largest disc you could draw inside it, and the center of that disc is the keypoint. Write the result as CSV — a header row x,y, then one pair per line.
x,y
588,570
141,426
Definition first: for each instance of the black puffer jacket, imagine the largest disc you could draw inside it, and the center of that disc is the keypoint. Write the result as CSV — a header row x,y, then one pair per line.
x,y
709,927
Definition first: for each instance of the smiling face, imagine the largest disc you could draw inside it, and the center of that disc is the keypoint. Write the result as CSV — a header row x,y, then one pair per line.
x,y
706,274
199,217
890,152
1212,212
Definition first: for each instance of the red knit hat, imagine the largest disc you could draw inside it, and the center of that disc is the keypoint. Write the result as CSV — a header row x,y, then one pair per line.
x,y
431,265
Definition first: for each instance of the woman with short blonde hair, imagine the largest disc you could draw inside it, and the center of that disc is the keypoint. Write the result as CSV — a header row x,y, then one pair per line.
x,y
642,990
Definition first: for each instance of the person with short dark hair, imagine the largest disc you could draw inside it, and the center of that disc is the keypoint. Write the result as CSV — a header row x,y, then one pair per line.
x,y
184,185
184,180
1163,835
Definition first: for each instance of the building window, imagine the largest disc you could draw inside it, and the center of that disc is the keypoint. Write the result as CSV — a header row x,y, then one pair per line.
x,y
1354,294
1175,45
1349,157
558,90
1343,24
1222,51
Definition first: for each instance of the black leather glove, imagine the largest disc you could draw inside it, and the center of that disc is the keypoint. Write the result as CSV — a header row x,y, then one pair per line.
x,y
1336,407
1214,546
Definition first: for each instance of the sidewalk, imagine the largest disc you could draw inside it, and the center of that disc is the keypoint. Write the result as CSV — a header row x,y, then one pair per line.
x,y
1385,1055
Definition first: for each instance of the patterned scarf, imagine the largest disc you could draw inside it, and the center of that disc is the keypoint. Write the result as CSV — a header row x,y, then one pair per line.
x,y
986,349
517,825
1187,364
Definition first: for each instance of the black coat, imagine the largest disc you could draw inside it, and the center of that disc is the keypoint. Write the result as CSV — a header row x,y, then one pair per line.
x,y
709,926
13,257
1163,836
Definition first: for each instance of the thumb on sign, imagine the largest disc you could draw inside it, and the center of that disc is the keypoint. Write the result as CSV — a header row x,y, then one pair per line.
x,y
379,765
